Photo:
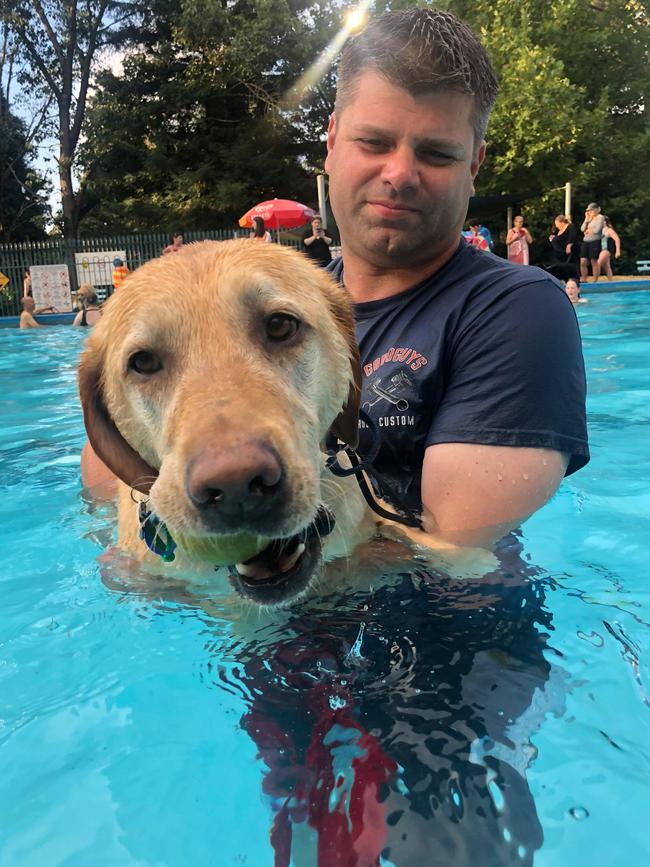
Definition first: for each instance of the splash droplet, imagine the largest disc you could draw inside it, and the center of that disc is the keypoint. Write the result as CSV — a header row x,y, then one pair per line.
x,y
579,813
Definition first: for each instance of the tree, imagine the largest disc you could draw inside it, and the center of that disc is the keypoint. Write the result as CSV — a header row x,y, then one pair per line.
x,y
573,107
202,94
22,190
59,40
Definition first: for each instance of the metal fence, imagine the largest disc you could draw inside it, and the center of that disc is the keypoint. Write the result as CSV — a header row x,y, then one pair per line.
x,y
84,261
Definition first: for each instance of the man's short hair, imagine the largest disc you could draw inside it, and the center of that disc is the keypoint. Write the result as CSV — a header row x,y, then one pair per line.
x,y
422,51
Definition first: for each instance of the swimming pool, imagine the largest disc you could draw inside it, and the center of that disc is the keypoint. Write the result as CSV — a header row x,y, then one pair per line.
x,y
503,721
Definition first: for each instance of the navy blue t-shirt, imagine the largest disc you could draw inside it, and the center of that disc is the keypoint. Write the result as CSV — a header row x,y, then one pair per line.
x,y
484,351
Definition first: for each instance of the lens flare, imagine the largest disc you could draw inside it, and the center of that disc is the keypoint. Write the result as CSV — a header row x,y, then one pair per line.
x,y
354,21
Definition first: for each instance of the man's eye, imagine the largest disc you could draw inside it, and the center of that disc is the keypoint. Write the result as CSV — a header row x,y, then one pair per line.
x,y
436,158
145,363
373,143
281,327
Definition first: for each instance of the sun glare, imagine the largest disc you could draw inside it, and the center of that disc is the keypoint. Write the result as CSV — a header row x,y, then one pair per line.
x,y
354,21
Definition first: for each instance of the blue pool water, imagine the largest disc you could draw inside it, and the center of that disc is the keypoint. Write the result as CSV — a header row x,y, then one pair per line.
x,y
138,728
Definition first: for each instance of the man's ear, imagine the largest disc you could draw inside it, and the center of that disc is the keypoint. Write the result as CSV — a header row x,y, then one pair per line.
x,y
107,442
346,425
331,139
477,162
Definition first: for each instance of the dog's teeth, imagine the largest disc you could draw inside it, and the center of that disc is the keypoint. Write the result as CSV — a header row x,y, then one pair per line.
x,y
246,569
289,562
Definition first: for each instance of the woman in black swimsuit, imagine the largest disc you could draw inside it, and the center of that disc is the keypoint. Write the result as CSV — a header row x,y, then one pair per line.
x,y
90,309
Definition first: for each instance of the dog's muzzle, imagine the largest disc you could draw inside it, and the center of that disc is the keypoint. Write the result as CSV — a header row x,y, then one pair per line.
x,y
284,568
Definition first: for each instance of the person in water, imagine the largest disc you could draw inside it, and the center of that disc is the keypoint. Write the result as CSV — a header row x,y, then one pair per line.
x,y
90,309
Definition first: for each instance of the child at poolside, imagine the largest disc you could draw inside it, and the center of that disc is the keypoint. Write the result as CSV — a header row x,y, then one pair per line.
x,y
120,273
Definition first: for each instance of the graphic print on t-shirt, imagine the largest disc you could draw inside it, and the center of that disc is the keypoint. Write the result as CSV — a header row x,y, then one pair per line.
x,y
391,400
392,391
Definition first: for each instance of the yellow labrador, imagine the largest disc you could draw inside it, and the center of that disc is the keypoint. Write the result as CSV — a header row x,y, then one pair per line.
x,y
209,386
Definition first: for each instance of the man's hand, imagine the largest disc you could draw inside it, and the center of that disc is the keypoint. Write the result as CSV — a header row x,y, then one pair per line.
x,y
474,494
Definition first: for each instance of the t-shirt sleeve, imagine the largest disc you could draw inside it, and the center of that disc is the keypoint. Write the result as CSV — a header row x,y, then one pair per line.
x,y
516,376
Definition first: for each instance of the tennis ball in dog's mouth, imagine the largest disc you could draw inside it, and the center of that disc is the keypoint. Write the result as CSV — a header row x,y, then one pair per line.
x,y
224,550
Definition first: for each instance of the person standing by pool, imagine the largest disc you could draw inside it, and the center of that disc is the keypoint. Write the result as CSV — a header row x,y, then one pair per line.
x,y
316,243
176,244
120,273
475,238
592,228
517,241
27,285
259,232
484,232
610,246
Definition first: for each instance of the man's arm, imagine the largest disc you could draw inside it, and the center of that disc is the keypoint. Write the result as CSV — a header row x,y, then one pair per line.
x,y
512,413
472,495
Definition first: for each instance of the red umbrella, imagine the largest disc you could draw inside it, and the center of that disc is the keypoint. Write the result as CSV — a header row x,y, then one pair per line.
x,y
278,214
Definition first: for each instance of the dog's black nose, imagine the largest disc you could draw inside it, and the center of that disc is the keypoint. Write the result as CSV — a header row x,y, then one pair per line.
x,y
244,480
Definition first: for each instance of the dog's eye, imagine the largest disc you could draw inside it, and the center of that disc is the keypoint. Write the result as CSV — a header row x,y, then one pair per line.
x,y
281,326
145,363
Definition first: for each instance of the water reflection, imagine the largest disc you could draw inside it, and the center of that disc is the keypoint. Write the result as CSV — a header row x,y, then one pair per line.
x,y
395,726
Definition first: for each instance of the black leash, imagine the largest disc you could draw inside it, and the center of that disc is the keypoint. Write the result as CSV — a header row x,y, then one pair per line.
x,y
407,516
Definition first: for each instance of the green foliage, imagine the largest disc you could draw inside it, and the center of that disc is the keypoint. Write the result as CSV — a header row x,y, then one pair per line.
x,y
209,129
573,107
22,190
198,127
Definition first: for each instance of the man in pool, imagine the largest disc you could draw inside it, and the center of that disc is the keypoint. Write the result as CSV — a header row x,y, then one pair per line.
x,y
29,309
485,355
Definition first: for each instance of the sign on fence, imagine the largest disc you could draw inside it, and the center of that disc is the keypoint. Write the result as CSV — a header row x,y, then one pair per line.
x,y
51,286
97,268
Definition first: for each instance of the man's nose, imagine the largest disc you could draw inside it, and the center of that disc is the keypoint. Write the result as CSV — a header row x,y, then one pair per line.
x,y
400,168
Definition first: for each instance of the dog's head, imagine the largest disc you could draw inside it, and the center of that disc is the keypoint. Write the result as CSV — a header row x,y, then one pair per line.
x,y
210,383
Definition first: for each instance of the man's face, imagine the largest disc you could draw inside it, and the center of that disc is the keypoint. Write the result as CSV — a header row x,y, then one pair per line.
x,y
401,170
316,226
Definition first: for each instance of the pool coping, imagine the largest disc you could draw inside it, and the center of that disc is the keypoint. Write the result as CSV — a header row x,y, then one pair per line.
x,y
632,284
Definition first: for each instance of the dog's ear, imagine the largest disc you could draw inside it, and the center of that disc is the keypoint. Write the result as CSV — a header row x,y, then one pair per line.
x,y
108,443
346,425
